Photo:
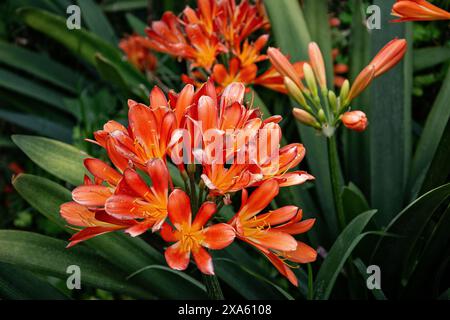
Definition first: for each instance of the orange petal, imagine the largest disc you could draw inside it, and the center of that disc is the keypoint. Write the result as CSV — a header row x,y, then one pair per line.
x,y
159,174
184,101
125,207
207,113
203,260
295,178
76,214
176,258
218,236
259,199
89,233
282,268
275,240
136,183
140,228
168,234
179,208
91,195
303,253
297,228
205,212
100,169
274,217
144,127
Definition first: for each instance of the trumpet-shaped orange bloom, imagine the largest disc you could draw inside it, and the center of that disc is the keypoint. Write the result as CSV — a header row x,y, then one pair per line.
x,y
355,120
418,10
235,73
138,53
136,200
95,222
192,236
272,232
148,135
93,194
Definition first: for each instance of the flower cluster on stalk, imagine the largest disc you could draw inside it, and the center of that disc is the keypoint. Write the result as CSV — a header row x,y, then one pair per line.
x,y
217,145
220,39
321,107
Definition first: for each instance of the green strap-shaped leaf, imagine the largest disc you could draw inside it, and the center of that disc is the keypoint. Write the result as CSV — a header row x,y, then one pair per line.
x,y
393,254
38,124
338,254
390,122
19,284
21,85
96,20
425,58
356,153
136,24
49,256
432,135
124,5
354,202
60,159
83,44
420,275
39,65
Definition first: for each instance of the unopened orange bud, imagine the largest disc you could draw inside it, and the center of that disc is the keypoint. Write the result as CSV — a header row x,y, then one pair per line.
x,y
361,82
282,65
389,56
317,64
418,10
355,120
305,117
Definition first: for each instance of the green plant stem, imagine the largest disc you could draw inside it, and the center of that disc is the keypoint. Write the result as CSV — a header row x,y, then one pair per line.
x,y
335,170
213,287
193,192
310,283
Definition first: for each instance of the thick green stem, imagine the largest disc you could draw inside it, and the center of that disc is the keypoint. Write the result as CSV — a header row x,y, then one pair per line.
x,y
335,170
213,287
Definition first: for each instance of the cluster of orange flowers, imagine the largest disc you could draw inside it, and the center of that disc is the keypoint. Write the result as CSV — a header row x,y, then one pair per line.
x,y
120,197
214,40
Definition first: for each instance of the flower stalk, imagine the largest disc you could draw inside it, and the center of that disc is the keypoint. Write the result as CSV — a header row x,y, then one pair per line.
x,y
333,159
213,287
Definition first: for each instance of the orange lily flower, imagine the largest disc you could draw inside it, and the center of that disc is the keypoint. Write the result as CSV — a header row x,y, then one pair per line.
x,y
93,194
236,73
135,200
205,49
250,53
272,232
418,10
95,222
355,120
288,157
137,53
148,135
237,22
166,36
191,236
204,16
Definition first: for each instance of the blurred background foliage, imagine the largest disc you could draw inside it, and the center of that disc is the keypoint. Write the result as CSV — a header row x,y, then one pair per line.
x,y
64,84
